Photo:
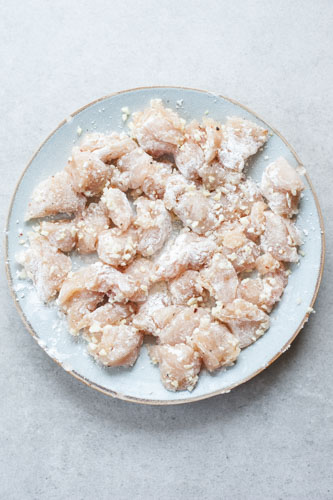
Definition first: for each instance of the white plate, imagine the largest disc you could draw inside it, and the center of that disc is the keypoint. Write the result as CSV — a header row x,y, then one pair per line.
x,y
141,383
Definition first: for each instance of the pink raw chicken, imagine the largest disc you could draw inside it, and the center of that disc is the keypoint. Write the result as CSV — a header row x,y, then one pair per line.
x,y
157,129
111,313
141,272
118,207
186,288
107,147
116,247
132,169
241,139
53,196
237,248
263,292
282,186
119,345
266,264
175,324
254,224
179,365
158,298
207,135
155,182
61,234
92,221
245,320
214,175
45,265
153,223
189,160
88,173
79,307
97,277
220,279
215,344
280,238
188,251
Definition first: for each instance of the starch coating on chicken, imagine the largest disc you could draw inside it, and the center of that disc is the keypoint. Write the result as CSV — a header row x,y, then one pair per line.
x,y
188,248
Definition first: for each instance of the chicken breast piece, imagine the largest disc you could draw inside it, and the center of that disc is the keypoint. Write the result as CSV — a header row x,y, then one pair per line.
x,y
53,196
216,345
153,223
263,292
266,264
157,129
214,175
88,173
107,147
79,307
189,160
179,365
141,272
132,169
245,320
119,346
240,140
254,224
158,298
117,248
45,265
61,234
237,248
97,277
188,251
220,279
111,313
90,223
280,238
187,287
118,207
155,182
282,186
175,324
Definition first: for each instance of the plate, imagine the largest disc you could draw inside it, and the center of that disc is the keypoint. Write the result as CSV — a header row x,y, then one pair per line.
x,y
141,383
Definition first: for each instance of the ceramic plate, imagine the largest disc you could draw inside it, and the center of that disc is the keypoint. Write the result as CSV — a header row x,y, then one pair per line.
x,y
141,383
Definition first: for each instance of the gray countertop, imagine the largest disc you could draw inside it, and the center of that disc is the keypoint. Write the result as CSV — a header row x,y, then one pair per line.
x,y
270,438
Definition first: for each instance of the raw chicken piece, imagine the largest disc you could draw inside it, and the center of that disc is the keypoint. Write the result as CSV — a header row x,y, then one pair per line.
x,y
110,313
207,135
158,298
119,345
158,130
45,265
245,320
155,182
179,365
216,345
141,272
61,234
240,140
280,238
53,196
263,292
237,248
189,160
188,251
116,247
266,264
153,223
189,204
282,186
88,173
254,224
175,324
132,169
80,305
238,201
214,175
220,279
107,147
118,207
92,221
97,277
185,288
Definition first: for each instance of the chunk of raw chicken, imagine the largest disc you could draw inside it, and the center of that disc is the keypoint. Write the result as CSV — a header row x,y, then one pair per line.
x,y
155,182
245,320
79,307
220,279
187,287
254,224
111,313
119,345
61,234
90,223
45,265
207,135
53,196
88,174
116,247
153,223
216,345
158,298
132,169
157,129
97,277
107,147
118,207
280,238
214,175
192,207
188,251
189,160
175,324
179,365
141,271
266,264
240,140
282,186
263,292
237,248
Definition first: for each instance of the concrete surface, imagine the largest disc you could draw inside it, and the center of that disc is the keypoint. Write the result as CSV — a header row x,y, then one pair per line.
x,y
271,438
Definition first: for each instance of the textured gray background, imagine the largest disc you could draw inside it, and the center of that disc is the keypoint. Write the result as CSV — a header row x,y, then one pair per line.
x,y
271,438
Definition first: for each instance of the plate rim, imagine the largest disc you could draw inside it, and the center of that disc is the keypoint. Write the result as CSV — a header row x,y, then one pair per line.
x,y
162,402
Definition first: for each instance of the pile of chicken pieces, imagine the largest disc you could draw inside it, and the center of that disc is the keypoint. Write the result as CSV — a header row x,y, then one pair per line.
x,y
190,250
